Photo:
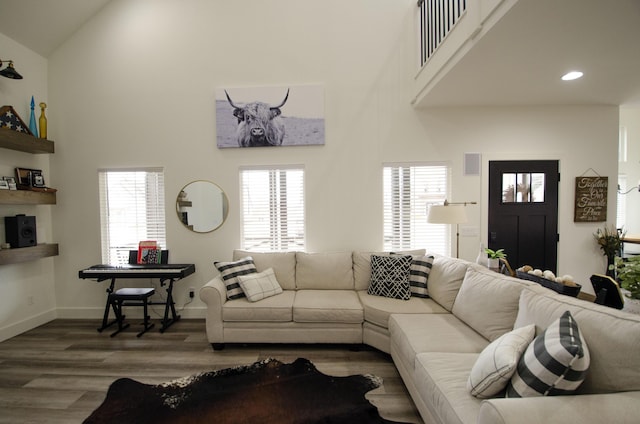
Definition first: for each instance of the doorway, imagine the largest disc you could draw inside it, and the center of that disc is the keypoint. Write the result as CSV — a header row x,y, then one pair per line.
x,y
523,212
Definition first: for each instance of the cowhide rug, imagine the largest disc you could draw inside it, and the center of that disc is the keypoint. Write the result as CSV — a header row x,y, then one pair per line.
x,y
265,392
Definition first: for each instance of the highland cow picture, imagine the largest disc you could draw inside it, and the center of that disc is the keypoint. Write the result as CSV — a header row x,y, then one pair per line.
x,y
270,116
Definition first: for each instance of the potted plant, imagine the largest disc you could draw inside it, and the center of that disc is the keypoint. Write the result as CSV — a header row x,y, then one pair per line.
x,y
494,256
628,273
610,241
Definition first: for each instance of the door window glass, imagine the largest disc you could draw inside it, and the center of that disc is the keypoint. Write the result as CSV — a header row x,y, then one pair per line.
x,y
523,187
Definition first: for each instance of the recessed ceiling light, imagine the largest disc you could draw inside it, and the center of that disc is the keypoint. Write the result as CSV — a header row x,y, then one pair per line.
x,y
569,76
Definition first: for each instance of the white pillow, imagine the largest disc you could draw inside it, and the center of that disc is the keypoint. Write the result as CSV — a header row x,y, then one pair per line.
x,y
498,361
259,285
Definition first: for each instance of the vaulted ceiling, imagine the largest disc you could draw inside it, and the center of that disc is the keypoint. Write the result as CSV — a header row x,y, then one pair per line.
x,y
518,62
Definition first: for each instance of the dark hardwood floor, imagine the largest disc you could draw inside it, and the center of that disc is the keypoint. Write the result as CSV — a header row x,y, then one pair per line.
x,y
60,372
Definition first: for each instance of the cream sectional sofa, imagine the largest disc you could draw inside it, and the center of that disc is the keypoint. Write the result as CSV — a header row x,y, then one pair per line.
x,y
435,342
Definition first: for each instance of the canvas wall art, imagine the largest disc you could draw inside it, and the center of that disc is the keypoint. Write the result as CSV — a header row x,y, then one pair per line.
x,y
270,116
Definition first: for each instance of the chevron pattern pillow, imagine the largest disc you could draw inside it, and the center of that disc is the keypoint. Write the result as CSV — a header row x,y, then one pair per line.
x,y
555,363
229,272
390,276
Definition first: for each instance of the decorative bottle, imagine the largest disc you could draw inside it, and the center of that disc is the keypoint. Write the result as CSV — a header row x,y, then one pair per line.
x,y
32,120
481,259
43,121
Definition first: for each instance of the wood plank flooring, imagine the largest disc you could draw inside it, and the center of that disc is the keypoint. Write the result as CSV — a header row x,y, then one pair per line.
x,y
60,372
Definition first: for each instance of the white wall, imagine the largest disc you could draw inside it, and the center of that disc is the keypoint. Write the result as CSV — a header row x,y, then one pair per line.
x,y
136,85
27,295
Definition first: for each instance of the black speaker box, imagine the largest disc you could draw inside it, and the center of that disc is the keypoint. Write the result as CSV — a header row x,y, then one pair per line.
x,y
20,230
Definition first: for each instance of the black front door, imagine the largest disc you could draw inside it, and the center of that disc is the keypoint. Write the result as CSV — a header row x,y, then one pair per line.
x,y
523,212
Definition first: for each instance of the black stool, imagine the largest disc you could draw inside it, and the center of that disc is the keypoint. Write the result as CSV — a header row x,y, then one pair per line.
x,y
131,297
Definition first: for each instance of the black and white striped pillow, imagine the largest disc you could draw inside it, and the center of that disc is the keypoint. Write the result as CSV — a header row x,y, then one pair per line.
x,y
555,363
419,275
229,272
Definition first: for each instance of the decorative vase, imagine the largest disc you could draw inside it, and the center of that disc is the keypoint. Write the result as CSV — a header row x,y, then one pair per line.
x,y
43,121
481,259
611,269
32,120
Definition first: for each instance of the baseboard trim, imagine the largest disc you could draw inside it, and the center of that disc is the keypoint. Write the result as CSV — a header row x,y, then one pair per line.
x,y
30,323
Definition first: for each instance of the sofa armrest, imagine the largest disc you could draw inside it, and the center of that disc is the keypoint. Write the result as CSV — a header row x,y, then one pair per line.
x,y
214,295
619,408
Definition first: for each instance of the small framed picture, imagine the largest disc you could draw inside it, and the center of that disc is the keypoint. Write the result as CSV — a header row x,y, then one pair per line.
x,y
29,177
4,185
11,181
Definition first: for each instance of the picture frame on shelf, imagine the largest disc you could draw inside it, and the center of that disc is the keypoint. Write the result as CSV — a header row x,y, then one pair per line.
x,y
28,178
4,185
11,182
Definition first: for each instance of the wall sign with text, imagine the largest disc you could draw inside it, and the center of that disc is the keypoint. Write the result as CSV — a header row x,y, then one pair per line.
x,y
591,199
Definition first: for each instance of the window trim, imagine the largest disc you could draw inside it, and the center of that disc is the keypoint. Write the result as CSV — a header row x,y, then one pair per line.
x,y
445,230
279,242
160,224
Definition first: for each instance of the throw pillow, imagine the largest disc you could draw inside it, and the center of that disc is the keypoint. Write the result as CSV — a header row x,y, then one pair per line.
x,y
498,361
390,276
419,275
229,272
260,285
555,363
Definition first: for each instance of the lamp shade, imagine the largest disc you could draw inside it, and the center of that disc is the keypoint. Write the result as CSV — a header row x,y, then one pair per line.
x,y
447,214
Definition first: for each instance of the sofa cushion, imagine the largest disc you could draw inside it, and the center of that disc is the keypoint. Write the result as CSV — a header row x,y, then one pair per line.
x,y
362,268
283,264
441,381
555,363
377,309
331,271
229,272
337,306
390,276
488,301
259,285
414,334
613,337
497,362
445,279
277,308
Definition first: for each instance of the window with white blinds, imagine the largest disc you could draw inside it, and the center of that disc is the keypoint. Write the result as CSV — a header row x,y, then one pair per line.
x,y
273,217
131,210
408,190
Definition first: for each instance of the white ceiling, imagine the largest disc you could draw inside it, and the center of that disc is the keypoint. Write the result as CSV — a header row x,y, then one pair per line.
x,y
519,62
521,59
43,25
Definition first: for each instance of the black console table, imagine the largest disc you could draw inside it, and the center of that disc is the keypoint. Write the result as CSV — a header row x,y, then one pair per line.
x,y
165,272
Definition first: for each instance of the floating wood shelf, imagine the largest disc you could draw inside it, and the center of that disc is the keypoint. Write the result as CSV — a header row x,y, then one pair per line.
x,y
27,197
25,254
22,142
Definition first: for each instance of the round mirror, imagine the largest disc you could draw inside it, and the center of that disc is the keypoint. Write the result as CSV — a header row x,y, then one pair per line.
x,y
202,206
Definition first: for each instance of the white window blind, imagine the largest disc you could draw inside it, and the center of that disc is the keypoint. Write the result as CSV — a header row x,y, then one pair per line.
x,y
408,190
273,217
131,210
621,211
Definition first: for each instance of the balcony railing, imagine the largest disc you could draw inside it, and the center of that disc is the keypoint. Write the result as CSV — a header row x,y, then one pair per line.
x,y
437,19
